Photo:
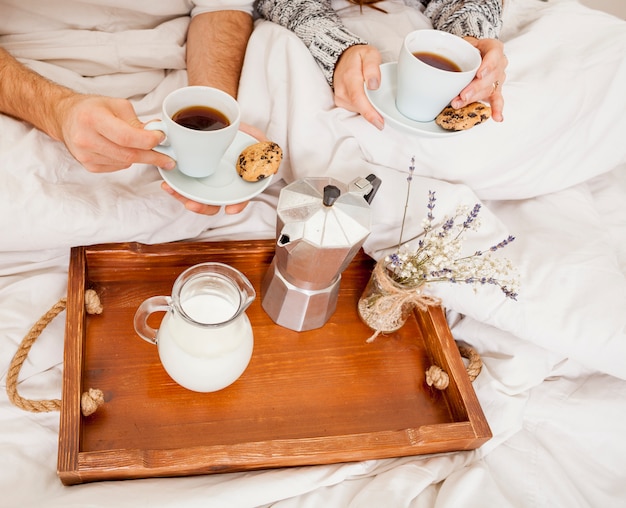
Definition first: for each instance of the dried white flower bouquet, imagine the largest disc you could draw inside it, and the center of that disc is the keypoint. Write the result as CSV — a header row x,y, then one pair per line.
x,y
397,282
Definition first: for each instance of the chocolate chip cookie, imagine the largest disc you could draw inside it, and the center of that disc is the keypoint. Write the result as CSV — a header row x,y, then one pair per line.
x,y
259,161
463,118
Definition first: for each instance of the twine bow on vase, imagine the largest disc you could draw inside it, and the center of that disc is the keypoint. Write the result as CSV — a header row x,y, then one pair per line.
x,y
385,305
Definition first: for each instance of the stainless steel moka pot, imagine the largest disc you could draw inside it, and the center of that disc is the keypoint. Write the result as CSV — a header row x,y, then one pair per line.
x,y
321,225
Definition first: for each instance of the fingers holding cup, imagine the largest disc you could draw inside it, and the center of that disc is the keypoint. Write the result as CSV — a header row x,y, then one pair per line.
x,y
433,68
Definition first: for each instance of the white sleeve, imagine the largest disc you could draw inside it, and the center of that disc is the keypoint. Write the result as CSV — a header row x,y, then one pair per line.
x,y
201,6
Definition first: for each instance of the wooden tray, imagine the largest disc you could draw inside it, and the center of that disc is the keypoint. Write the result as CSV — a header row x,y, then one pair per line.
x,y
315,397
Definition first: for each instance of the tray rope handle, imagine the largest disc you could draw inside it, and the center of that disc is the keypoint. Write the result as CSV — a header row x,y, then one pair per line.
x,y
438,378
90,400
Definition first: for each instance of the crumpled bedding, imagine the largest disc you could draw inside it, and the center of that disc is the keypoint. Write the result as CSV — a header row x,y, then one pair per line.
x,y
553,384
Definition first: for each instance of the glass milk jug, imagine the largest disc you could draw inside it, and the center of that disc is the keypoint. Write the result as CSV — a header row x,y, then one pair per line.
x,y
205,340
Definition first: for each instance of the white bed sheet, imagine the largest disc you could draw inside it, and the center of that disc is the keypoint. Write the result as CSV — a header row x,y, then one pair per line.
x,y
553,385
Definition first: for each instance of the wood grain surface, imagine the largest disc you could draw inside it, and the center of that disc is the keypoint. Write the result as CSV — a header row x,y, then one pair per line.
x,y
314,397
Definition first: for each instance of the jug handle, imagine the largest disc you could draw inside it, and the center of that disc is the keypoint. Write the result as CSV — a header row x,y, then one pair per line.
x,y
250,295
147,307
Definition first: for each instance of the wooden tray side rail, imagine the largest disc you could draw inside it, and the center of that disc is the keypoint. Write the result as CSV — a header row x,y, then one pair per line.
x,y
69,438
444,353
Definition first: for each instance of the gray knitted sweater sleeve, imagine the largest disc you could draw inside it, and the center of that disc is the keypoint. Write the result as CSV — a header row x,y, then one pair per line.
x,y
317,24
480,18
320,28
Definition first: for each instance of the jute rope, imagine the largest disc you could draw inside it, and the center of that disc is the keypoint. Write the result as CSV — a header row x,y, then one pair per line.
x,y
438,378
386,308
91,400
386,313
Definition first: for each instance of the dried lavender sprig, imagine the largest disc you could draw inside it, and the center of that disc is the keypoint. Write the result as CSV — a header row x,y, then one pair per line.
x,y
441,277
446,227
494,248
502,244
471,217
421,257
394,259
409,179
431,205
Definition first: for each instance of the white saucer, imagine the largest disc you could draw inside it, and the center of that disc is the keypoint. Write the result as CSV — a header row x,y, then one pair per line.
x,y
384,101
225,187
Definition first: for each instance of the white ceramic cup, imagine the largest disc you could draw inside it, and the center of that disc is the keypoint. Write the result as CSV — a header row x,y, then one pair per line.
x,y
423,90
197,152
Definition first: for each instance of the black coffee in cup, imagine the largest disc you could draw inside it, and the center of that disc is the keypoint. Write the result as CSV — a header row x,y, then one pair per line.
x,y
201,118
437,61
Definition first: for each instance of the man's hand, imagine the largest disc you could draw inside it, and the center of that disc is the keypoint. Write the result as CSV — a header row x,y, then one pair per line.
x,y
104,134
194,206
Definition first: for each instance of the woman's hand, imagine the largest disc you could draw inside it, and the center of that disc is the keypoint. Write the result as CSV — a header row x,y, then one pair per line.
x,y
357,65
487,85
